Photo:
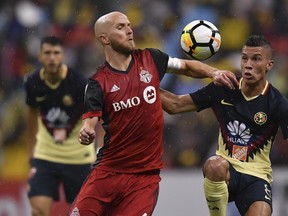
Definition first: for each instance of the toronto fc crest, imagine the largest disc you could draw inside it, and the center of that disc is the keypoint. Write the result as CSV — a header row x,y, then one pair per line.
x,y
145,76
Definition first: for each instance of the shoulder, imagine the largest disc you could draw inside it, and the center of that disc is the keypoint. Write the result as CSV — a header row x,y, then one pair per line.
x,y
274,93
215,93
75,75
31,77
149,51
100,77
100,72
276,97
74,72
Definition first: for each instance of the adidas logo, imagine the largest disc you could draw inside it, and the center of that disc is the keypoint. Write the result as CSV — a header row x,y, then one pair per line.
x,y
75,212
114,88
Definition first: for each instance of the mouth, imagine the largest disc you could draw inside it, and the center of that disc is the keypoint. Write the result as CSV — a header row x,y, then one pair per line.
x,y
247,75
51,65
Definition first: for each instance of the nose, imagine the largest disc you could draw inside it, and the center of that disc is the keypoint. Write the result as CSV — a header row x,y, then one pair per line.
x,y
248,63
129,30
52,57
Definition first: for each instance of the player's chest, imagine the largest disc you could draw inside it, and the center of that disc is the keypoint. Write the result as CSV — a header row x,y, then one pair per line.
x,y
134,89
136,83
255,113
64,96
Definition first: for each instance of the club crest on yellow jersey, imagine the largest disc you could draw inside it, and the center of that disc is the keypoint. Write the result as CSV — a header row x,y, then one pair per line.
x,y
67,100
260,118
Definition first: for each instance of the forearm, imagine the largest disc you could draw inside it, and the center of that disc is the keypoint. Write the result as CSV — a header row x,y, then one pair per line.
x,y
196,69
174,104
168,100
90,122
31,141
32,127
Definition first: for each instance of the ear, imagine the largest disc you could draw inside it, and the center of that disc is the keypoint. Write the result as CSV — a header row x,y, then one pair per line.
x,y
104,39
269,65
39,57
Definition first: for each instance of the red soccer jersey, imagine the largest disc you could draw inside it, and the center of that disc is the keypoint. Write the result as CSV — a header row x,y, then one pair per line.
x,y
130,106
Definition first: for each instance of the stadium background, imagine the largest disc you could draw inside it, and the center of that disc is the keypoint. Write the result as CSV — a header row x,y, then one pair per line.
x,y
188,138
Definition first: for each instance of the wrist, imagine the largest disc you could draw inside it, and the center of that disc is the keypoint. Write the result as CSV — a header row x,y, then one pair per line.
x,y
213,73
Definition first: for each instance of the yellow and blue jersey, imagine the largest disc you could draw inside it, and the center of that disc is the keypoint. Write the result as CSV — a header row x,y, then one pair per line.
x,y
60,108
248,126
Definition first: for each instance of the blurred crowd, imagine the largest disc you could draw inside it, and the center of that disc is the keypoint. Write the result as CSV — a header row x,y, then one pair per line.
x,y
188,138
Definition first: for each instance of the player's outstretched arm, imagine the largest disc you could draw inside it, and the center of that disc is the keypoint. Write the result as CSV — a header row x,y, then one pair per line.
x,y
199,69
87,132
174,104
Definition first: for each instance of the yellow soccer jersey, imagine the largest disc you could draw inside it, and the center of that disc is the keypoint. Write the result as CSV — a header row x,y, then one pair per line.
x,y
248,126
69,151
60,108
259,166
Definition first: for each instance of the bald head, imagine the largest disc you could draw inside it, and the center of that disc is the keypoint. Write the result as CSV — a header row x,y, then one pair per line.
x,y
105,22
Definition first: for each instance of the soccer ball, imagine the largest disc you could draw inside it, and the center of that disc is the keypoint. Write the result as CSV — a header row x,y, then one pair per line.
x,y
200,39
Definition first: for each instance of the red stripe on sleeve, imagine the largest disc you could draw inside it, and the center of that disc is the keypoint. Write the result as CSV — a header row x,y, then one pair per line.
x,y
92,114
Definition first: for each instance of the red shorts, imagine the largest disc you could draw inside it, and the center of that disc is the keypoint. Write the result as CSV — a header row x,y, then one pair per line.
x,y
108,193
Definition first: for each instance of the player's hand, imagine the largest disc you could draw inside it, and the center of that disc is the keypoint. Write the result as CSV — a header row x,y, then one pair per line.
x,y
225,78
86,135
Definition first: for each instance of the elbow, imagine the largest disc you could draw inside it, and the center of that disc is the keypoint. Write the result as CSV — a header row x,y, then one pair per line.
x,y
171,110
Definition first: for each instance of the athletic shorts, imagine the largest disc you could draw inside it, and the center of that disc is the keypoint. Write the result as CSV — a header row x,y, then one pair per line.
x,y
117,194
246,189
45,178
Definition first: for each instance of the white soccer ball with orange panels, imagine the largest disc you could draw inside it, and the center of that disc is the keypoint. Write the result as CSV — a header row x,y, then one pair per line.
x,y
200,39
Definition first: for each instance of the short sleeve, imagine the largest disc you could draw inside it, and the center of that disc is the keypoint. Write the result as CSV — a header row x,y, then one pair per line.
x,y
282,110
30,96
161,61
93,99
205,97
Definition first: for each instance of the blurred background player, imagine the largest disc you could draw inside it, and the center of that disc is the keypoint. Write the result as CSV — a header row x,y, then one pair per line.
x,y
124,93
249,118
55,97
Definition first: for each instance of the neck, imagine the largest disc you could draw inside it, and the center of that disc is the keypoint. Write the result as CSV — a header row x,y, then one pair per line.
x,y
119,61
53,77
254,89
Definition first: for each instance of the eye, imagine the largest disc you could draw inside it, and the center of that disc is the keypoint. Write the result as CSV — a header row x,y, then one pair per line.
x,y
47,52
257,58
244,58
120,26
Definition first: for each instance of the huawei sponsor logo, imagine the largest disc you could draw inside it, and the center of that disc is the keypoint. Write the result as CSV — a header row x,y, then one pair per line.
x,y
239,131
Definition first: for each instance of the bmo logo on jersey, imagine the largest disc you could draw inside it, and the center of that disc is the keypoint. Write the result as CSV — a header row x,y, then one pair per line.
x,y
131,102
149,95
